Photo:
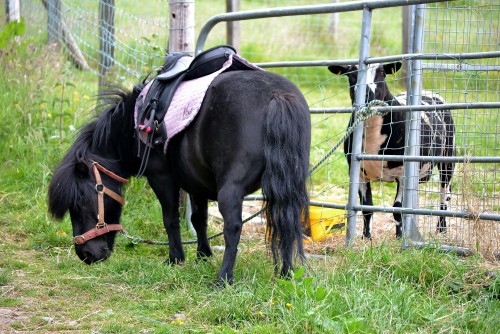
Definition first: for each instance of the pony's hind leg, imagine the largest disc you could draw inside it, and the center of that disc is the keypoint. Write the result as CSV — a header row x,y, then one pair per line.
x,y
230,206
199,219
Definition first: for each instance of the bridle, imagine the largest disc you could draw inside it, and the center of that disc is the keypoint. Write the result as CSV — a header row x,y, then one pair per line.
x,y
101,226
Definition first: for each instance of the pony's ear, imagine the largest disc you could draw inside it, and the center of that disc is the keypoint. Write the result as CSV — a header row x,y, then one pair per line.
x,y
82,169
392,68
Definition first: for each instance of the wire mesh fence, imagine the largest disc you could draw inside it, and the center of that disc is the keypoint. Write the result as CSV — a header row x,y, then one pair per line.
x,y
467,26
141,34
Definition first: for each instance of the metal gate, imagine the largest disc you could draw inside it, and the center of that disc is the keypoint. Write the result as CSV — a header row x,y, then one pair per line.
x,y
473,225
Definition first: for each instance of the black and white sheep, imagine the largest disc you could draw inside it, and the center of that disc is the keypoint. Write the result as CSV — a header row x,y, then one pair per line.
x,y
385,135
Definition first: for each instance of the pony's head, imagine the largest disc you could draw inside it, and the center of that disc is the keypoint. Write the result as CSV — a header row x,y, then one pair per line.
x,y
88,182
93,199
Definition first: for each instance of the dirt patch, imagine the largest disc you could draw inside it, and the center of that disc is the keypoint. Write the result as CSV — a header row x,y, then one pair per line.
x,y
9,316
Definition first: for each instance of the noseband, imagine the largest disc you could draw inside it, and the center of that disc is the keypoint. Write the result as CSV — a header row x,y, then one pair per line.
x,y
101,226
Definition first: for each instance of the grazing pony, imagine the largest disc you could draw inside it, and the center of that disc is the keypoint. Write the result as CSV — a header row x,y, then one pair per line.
x,y
385,135
252,131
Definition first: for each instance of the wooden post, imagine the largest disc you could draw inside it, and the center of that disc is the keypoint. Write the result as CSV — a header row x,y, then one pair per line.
x,y
181,39
233,27
70,42
54,21
106,38
181,22
13,11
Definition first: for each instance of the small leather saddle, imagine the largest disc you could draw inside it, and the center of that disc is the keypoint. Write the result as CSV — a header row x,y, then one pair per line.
x,y
178,67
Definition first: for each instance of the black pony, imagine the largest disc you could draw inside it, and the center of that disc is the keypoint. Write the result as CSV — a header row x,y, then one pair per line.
x,y
252,131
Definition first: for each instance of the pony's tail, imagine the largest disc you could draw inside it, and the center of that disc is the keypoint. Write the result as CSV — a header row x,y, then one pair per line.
x,y
284,182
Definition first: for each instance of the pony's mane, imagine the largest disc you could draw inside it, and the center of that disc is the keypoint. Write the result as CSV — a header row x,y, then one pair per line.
x,y
68,186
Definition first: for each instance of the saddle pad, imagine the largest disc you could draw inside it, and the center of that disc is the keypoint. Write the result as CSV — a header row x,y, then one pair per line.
x,y
188,98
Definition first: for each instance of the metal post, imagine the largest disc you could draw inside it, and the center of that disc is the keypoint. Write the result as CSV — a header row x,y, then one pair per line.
x,y
358,133
411,168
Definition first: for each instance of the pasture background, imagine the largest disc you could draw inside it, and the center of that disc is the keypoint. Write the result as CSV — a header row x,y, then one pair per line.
x,y
45,288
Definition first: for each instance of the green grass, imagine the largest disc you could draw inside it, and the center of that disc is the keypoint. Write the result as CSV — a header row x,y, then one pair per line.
x,y
367,291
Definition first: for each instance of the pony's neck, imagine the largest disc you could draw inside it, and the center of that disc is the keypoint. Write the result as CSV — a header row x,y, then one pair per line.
x,y
114,137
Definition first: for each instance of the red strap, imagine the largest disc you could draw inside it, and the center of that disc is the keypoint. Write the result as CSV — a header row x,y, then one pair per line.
x,y
109,173
95,232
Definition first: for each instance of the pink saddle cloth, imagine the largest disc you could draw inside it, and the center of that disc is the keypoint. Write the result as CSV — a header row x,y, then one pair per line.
x,y
187,100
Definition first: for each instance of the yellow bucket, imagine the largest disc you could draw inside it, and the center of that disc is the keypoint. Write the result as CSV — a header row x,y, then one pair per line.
x,y
326,222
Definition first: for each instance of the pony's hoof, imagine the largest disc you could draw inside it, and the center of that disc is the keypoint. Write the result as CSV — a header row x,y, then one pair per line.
x,y
223,282
203,255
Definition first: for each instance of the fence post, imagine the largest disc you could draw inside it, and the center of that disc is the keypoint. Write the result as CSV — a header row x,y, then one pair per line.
x,y
233,27
412,147
54,21
106,38
181,23
357,137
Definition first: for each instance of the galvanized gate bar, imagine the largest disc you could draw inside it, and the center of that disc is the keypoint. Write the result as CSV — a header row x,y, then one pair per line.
x,y
428,212
456,159
448,106
300,10
384,209
389,59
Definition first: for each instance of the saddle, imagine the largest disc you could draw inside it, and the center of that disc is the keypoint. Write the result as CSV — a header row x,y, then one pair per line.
x,y
178,67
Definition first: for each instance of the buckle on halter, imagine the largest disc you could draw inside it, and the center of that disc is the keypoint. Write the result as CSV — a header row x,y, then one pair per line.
x,y
99,188
100,225
79,239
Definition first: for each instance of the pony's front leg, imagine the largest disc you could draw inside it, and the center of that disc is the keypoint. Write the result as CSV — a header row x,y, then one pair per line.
x,y
230,206
199,219
168,195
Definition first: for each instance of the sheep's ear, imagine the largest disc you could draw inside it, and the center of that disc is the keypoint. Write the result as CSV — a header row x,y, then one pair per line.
x,y
392,68
338,69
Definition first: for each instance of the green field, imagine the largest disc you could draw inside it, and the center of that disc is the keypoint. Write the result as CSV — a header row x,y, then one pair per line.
x,y
45,288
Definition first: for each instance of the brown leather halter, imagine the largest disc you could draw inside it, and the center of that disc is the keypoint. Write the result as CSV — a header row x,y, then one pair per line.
x,y
101,226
